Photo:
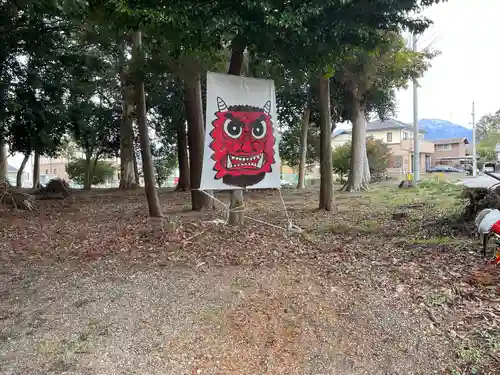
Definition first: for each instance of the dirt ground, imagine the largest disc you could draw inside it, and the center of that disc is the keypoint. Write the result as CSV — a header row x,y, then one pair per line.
x,y
90,285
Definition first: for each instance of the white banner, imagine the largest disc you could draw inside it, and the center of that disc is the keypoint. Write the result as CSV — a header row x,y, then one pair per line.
x,y
241,142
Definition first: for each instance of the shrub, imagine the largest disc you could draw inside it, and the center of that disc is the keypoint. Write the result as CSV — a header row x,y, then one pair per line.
x,y
100,172
378,157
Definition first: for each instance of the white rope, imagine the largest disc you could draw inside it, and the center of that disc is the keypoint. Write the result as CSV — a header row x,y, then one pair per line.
x,y
291,227
227,208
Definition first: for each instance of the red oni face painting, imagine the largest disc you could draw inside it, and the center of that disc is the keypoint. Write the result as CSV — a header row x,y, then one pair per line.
x,y
242,143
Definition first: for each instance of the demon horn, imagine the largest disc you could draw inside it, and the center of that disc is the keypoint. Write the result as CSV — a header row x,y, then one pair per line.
x,y
267,107
221,104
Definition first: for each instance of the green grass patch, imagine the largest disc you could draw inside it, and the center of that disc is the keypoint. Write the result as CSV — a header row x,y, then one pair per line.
x,y
368,227
489,339
211,316
8,334
470,354
440,298
442,195
343,229
62,348
238,285
436,241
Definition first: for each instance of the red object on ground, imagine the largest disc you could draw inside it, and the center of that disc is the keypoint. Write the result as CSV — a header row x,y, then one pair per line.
x,y
495,261
176,180
496,227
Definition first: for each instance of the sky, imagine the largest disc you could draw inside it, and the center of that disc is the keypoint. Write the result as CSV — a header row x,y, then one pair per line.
x,y
467,32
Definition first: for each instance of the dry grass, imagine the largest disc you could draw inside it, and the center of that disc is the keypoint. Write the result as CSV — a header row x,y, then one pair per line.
x,y
91,286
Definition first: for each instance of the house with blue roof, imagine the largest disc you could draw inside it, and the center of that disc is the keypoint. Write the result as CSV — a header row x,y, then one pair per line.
x,y
399,138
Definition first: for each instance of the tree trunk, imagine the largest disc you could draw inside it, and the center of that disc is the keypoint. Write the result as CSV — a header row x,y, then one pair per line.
x,y
87,182
19,177
137,176
325,124
359,160
182,156
127,177
303,147
36,170
92,171
366,166
237,61
236,215
195,137
147,157
4,165
127,171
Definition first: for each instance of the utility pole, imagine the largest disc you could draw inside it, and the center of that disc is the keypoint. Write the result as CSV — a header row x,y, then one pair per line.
x,y
474,156
416,133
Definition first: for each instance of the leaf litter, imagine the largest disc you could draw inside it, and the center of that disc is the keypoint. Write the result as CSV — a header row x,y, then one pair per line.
x,y
91,285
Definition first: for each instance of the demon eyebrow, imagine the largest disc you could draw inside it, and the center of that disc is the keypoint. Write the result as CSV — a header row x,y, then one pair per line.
x,y
234,120
257,121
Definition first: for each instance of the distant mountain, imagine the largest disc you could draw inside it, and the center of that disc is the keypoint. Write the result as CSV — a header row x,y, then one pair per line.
x,y
442,129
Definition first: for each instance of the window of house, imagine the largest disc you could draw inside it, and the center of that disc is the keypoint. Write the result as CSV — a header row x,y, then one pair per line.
x,y
55,171
409,135
397,162
389,137
46,171
394,161
443,147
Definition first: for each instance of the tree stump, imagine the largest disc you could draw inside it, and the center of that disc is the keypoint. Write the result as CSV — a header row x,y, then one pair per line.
x,y
55,189
479,199
15,198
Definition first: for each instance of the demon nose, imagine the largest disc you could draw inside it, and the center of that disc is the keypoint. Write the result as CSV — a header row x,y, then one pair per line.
x,y
247,147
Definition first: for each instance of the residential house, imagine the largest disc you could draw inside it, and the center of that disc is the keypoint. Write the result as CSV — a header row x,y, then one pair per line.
x,y
452,151
12,175
399,138
56,168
